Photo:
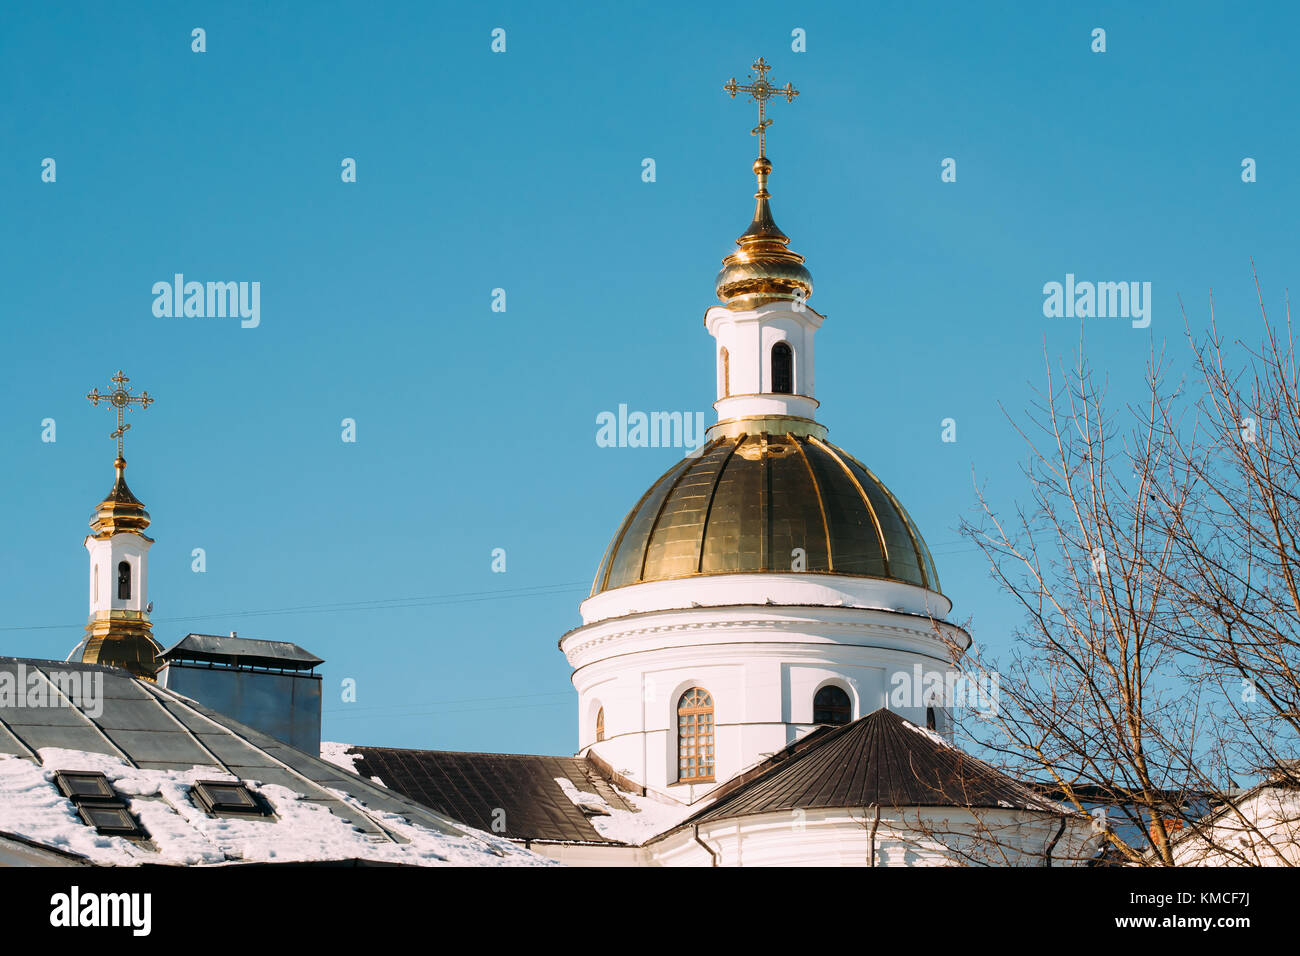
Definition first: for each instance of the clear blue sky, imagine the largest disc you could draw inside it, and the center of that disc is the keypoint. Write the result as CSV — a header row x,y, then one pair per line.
x,y
522,170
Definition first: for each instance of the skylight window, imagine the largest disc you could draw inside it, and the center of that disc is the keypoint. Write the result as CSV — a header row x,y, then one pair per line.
x,y
220,796
98,804
110,820
78,786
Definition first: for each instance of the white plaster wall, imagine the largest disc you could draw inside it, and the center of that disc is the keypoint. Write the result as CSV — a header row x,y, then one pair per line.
x,y
792,588
105,555
762,665
748,337
914,837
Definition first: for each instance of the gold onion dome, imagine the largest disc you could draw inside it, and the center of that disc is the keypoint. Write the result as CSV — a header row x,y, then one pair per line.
x,y
121,510
764,267
747,501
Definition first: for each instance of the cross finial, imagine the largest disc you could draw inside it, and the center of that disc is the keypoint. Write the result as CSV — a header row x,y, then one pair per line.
x,y
760,91
121,399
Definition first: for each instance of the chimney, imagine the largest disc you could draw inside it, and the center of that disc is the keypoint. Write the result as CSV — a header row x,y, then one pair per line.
x,y
268,685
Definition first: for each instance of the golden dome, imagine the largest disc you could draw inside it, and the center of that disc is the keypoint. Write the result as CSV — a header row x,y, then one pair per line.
x,y
749,500
763,268
121,510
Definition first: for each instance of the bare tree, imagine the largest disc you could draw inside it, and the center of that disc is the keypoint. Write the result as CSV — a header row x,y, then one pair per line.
x,y
1155,563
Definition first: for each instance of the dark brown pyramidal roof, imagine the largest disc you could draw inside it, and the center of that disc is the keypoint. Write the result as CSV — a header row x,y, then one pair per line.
x,y
878,760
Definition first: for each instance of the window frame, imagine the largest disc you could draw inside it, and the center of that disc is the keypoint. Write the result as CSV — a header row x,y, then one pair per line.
x,y
251,804
846,707
788,350
703,734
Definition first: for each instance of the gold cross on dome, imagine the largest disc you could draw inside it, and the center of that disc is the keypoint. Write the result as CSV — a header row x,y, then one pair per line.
x,y
121,399
760,91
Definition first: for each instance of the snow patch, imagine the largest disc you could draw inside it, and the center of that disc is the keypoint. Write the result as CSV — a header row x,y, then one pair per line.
x,y
337,754
649,819
924,732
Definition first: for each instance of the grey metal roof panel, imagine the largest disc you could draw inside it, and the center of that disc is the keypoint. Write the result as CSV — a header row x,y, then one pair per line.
x,y
277,776
120,686
10,744
45,717
214,648
85,738
232,750
518,791
179,765
173,746
141,714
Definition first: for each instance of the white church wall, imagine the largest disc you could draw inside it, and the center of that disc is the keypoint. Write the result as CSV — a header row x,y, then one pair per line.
x,y
910,837
761,669
591,854
794,589
1263,830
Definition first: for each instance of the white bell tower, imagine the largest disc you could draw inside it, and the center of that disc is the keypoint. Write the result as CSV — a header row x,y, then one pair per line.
x,y
119,563
764,332
118,632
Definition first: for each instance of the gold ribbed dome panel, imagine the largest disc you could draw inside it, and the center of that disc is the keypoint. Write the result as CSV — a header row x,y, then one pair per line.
x,y
747,501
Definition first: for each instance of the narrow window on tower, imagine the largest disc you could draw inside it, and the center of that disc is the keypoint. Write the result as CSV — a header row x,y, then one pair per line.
x,y
832,706
95,578
726,373
782,369
600,724
695,736
124,581
930,722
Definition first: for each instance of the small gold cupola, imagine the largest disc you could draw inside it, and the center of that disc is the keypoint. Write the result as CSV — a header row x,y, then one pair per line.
x,y
120,511
764,267
119,632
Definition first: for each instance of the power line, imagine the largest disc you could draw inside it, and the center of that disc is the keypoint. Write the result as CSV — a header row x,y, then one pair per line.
x,y
463,597
431,600
351,708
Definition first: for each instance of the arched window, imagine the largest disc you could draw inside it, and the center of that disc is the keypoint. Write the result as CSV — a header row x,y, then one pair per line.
x,y
832,706
95,578
782,369
726,373
930,722
124,581
695,736
600,724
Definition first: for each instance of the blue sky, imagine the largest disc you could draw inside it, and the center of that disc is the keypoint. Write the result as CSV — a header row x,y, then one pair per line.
x,y
476,429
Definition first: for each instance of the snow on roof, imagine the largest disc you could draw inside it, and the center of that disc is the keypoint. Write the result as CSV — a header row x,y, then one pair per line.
x,y
632,827
337,754
153,745
180,833
929,734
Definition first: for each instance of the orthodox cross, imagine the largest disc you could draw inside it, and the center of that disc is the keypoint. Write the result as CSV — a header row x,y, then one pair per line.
x,y
760,91
121,399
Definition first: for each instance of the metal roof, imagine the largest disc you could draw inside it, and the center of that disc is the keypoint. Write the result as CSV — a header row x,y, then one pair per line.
x,y
472,787
878,760
746,501
149,727
242,651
